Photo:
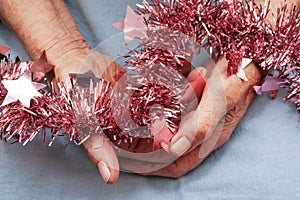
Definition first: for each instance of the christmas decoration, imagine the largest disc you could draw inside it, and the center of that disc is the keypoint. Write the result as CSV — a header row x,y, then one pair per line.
x,y
146,107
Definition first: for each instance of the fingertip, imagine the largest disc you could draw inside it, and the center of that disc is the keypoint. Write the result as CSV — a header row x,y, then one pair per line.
x,y
198,85
114,176
180,143
109,175
103,156
104,171
184,138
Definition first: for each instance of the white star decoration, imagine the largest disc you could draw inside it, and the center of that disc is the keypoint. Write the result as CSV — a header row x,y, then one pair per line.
x,y
133,25
22,89
241,73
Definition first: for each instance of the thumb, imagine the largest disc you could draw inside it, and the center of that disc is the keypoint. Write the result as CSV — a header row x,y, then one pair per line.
x,y
103,156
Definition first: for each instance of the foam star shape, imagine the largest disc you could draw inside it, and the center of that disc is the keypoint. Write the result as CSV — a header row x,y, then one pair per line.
x,y
271,84
133,25
40,68
4,49
241,73
22,89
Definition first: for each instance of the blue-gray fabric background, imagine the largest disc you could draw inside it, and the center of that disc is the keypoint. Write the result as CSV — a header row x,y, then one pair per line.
x,y
260,161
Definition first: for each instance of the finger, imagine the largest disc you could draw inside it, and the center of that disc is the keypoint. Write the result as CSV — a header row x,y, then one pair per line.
x,y
220,95
186,67
197,80
195,157
226,126
140,167
180,167
136,145
103,156
236,87
234,116
160,156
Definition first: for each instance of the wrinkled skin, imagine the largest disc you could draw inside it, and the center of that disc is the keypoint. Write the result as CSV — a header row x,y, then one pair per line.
x,y
212,129
208,127
49,26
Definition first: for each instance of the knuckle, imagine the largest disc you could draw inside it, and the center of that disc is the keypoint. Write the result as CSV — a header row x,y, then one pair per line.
x,y
253,74
232,114
235,88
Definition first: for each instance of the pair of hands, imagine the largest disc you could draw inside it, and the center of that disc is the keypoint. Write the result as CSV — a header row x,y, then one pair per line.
x,y
223,104
224,101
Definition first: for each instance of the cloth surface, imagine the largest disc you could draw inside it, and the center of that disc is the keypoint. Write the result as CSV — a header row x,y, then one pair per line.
x,y
260,161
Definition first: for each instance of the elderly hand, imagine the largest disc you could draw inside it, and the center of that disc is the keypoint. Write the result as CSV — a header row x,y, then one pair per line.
x,y
48,26
223,104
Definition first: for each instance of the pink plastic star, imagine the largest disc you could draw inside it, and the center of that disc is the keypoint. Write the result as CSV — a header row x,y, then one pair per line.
x,y
271,84
133,25
4,49
40,68
22,89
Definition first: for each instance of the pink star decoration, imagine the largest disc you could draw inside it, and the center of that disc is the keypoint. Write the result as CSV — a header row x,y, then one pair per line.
x,y
271,84
4,49
22,89
133,25
40,68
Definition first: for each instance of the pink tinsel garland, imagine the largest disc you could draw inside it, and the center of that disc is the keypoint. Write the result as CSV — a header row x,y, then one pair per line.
x,y
232,30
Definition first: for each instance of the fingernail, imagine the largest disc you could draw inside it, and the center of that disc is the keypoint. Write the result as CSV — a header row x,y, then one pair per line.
x,y
202,71
180,146
104,171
